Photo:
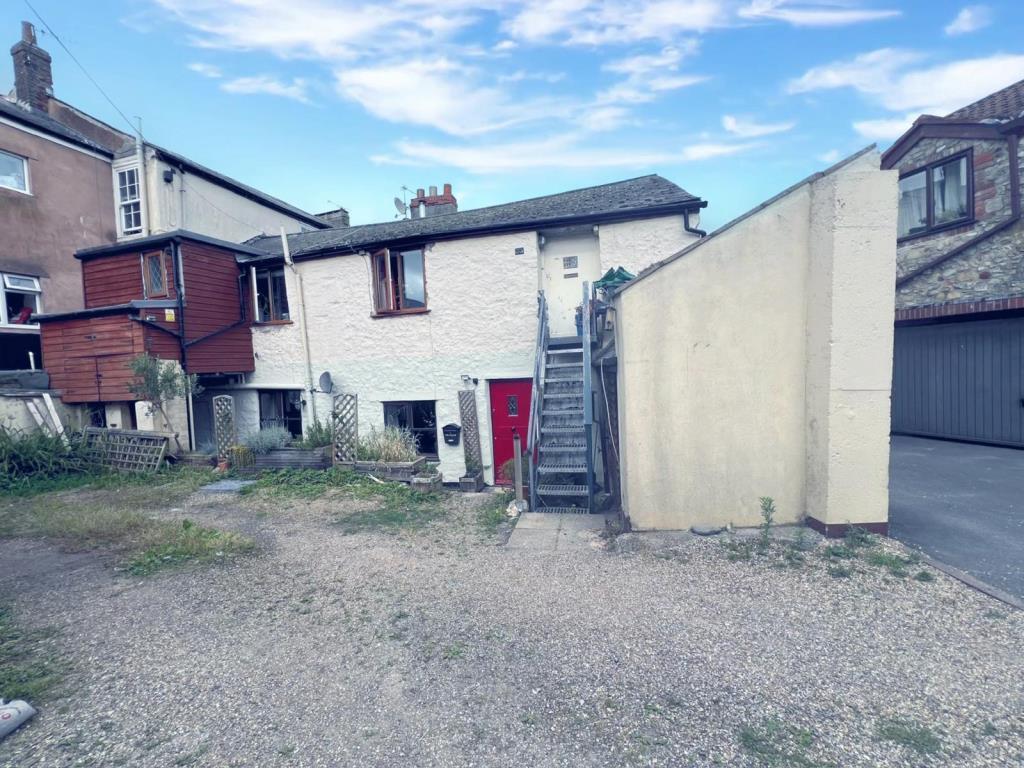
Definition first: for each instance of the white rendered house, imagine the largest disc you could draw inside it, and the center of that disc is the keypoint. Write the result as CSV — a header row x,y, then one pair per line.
x,y
406,314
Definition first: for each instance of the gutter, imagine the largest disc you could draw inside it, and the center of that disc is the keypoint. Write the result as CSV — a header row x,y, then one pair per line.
x,y
179,279
1015,214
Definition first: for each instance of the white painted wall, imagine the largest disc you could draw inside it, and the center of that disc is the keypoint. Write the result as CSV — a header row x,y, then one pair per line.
x,y
482,323
563,286
758,364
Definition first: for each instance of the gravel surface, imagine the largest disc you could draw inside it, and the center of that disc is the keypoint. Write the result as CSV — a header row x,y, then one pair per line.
x,y
442,648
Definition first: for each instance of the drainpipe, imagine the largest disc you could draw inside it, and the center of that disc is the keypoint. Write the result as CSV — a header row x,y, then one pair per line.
x,y
140,154
179,280
693,230
302,319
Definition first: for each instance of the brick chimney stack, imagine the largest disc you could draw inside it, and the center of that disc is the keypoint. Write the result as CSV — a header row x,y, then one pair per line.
x,y
433,204
33,75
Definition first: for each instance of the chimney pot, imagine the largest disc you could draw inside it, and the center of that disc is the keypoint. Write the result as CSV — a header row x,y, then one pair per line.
x,y
433,191
421,192
28,32
447,189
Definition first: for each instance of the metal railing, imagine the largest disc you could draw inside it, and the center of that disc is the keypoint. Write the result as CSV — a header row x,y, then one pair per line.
x,y
588,390
537,396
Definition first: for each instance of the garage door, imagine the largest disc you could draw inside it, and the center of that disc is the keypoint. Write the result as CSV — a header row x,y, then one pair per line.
x,y
961,381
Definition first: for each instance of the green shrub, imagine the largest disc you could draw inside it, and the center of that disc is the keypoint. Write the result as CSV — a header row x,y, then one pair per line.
x,y
267,440
29,459
318,435
388,444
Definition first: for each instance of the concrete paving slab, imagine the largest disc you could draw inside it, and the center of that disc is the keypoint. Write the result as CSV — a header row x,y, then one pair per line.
x,y
226,486
546,532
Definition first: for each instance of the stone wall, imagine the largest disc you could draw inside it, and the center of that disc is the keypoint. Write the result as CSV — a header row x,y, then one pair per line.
x,y
994,268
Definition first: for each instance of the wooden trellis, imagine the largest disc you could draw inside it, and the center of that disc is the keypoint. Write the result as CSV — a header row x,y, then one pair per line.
x,y
470,432
345,423
127,450
224,425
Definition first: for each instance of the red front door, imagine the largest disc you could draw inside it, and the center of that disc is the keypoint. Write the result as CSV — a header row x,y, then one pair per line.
x,y
510,409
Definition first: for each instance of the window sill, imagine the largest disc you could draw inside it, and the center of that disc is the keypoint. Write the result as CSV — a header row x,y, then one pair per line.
x,y
19,327
24,192
271,323
937,230
400,312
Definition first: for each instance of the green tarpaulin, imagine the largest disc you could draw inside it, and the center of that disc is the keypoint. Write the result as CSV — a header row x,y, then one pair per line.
x,y
613,278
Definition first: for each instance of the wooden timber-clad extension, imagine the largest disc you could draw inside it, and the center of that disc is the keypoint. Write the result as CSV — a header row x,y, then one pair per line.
x,y
133,306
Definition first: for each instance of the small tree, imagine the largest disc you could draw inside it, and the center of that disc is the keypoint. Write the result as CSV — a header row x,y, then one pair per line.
x,y
157,383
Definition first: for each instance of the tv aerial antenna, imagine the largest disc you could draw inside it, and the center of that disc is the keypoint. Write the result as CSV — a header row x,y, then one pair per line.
x,y
400,205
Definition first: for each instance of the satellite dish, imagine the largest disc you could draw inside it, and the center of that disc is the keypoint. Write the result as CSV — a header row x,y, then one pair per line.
x,y
326,383
400,206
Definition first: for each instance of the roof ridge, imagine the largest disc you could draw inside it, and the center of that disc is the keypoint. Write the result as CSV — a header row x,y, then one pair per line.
x,y
1019,84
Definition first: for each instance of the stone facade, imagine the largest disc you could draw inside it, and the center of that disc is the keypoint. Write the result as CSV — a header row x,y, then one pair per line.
x,y
991,269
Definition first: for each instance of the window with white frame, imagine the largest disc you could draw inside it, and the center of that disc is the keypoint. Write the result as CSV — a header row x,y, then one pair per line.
x,y
13,172
271,296
129,199
21,299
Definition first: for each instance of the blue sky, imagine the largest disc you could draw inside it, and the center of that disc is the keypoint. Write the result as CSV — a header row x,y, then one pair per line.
x,y
328,102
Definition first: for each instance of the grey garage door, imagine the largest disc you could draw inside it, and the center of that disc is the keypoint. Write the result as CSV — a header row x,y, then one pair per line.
x,y
960,380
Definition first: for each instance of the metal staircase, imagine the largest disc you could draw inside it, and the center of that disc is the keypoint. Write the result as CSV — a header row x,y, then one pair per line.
x,y
561,439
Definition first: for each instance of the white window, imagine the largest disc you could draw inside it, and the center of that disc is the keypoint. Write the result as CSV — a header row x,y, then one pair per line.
x,y
13,172
129,201
21,300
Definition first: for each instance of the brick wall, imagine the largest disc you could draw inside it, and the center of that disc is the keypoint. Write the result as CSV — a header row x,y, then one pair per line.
x,y
993,269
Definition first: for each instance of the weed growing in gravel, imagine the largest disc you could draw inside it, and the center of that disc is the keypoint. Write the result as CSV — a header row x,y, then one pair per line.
x,y
177,544
896,565
993,614
767,520
453,652
837,571
529,718
779,745
839,552
924,576
29,669
736,550
907,733
492,512
859,538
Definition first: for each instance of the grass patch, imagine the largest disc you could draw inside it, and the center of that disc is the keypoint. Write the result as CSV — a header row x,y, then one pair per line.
x,y
174,544
924,576
909,734
453,652
776,744
859,538
839,571
839,552
397,504
29,669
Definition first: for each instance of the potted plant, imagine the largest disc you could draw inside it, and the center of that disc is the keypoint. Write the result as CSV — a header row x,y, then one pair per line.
x,y
389,454
427,480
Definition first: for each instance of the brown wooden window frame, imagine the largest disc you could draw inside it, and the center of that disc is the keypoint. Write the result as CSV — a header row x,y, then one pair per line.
x,y
147,288
928,170
387,290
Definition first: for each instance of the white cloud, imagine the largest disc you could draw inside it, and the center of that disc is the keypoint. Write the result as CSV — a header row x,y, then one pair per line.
x,y
521,75
206,70
970,19
265,84
561,151
832,156
813,14
885,76
668,58
748,129
884,129
503,46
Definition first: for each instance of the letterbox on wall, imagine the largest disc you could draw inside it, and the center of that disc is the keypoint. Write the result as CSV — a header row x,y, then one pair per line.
x,y
451,433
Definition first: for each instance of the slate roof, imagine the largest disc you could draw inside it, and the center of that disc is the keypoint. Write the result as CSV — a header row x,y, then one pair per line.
x,y
46,124
1005,104
633,198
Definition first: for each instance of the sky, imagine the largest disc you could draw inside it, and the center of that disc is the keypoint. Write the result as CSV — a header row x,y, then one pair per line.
x,y
328,103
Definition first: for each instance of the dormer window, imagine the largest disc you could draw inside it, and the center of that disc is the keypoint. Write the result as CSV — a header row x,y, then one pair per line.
x,y
154,274
936,197
129,201
399,282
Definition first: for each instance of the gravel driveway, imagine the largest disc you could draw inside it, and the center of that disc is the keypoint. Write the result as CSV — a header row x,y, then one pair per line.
x,y
441,648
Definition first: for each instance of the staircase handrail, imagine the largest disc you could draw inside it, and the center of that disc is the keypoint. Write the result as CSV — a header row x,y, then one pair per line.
x,y
588,385
537,394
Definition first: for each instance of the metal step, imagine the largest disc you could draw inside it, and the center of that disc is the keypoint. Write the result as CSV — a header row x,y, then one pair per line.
x,y
564,365
562,412
563,395
565,510
561,490
561,430
569,448
563,376
561,342
566,468
566,351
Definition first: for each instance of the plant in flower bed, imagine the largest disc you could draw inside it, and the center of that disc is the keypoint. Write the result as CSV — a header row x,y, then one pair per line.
x,y
267,439
391,444
318,435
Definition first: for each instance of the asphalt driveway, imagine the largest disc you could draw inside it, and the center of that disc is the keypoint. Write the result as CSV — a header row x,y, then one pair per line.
x,y
962,504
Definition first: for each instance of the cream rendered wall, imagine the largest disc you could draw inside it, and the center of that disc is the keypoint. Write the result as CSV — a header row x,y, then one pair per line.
x,y
209,209
636,244
758,363
564,293
482,323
